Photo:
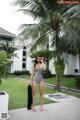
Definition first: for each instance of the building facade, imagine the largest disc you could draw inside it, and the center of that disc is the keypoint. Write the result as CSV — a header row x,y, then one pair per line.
x,y
21,61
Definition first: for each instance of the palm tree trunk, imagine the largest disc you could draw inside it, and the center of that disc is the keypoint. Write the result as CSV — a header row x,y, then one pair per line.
x,y
57,47
55,27
58,86
47,61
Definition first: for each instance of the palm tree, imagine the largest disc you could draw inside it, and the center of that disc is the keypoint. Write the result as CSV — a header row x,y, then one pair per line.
x,y
51,17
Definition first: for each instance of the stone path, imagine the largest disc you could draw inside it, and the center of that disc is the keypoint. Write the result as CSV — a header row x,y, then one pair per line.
x,y
68,109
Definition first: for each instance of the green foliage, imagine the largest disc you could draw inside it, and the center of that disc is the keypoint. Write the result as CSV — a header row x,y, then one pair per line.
x,y
59,68
7,48
47,74
3,62
21,73
77,82
44,53
49,15
17,90
67,81
71,37
51,5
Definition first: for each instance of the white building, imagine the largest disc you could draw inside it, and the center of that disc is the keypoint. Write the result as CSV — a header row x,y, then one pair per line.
x,y
22,62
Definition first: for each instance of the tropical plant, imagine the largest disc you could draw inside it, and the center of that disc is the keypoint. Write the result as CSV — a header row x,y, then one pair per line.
x,y
51,21
7,48
59,68
77,82
71,37
3,63
46,54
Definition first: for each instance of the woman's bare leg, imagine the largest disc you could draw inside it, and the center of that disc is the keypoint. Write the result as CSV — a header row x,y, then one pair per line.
x,y
41,85
33,93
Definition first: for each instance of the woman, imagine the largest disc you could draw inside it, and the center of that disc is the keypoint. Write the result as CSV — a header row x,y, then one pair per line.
x,y
37,77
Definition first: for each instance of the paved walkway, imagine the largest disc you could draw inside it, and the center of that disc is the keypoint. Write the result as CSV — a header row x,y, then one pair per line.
x,y
69,109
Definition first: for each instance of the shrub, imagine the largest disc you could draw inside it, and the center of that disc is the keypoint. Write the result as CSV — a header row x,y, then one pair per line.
x,y
77,82
21,72
43,53
47,74
3,63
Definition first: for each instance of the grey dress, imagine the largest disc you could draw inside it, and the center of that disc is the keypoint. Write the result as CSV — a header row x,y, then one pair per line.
x,y
37,74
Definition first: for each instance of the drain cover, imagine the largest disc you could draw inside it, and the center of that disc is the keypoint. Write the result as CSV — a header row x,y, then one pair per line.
x,y
56,96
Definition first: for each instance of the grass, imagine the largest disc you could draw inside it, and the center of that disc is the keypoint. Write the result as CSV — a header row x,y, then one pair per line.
x,y
73,94
17,90
67,82
16,87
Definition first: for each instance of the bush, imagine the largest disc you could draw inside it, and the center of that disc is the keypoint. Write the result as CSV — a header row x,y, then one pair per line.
x,y
21,72
77,82
47,74
43,53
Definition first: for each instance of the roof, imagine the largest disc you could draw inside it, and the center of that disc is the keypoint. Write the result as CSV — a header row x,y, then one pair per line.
x,y
5,33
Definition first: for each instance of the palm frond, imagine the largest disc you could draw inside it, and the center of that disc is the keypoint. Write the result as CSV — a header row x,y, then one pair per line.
x,y
41,42
72,36
50,21
74,11
33,13
50,5
31,7
29,30
24,3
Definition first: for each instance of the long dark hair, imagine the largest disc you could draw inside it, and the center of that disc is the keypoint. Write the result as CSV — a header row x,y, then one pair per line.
x,y
36,62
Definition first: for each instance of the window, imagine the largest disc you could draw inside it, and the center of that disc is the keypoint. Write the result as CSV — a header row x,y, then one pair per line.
x,y
24,53
24,59
24,47
24,65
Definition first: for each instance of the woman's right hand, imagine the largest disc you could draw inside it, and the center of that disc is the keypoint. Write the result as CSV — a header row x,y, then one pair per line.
x,y
42,59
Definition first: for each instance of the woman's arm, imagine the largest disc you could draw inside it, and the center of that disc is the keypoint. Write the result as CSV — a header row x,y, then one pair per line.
x,y
32,74
43,65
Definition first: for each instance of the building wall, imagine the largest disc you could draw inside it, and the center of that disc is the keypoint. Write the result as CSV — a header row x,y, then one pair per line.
x,y
29,64
51,66
70,66
73,63
17,61
77,65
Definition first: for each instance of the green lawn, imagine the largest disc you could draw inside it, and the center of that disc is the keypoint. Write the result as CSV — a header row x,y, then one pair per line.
x,y
16,87
17,90
67,82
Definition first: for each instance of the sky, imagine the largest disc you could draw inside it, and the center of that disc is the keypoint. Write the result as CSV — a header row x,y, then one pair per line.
x,y
10,19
